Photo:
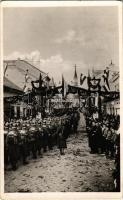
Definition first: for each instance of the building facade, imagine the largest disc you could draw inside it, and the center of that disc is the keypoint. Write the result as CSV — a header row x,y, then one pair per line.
x,y
18,77
111,105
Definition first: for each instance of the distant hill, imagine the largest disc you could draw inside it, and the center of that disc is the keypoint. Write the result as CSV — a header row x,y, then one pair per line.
x,y
15,71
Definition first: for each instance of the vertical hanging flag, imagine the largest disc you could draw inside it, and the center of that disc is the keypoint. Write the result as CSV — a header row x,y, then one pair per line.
x,y
64,87
88,79
82,79
52,84
40,81
47,79
106,79
27,76
27,84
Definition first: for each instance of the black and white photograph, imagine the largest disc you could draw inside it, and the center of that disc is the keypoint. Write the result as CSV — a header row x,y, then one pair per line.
x,y
61,99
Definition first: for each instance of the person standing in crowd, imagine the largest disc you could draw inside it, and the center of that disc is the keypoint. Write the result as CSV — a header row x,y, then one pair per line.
x,y
61,141
40,140
45,137
99,137
88,129
6,158
104,135
23,145
33,141
108,141
116,173
50,136
76,118
11,141
93,142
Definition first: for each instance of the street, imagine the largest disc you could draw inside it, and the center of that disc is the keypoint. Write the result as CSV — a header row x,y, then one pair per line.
x,y
76,171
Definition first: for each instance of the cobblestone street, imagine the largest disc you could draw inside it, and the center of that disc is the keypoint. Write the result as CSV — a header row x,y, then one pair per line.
x,y
76,171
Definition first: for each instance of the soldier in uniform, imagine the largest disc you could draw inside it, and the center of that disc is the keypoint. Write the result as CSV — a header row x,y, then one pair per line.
x,y
98,138
33,141
75,122
116,172
54,131
12,147
28,138
113,137
93,141
104,133
68,127
108,141
6,159
45,137
61,139
88,128
50,136
23,144
40,141
72,122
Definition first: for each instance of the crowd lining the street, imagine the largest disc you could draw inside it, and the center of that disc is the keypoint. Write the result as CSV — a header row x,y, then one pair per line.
x,y
31,138
104,138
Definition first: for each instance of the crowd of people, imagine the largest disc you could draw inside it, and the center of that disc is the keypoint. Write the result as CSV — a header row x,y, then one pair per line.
x,y
26,139
30,138
104,138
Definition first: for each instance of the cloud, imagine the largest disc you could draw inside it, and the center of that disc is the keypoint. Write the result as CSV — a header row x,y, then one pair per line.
x,y
34,55
70,36
55,65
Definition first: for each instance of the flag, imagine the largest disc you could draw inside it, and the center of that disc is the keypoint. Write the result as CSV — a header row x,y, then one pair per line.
x,y
47,79
27,84
105,77
82,79
24,88
27,77
40,81
64,87
52,84
105,88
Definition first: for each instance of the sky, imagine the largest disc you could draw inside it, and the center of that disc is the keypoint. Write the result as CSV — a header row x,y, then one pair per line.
x,y
55,39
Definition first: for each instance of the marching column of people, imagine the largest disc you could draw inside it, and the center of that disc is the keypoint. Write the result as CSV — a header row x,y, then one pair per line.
x,y
104,138
31,138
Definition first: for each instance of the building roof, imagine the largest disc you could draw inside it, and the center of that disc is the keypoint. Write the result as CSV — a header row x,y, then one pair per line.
x,y
15,71
11,85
